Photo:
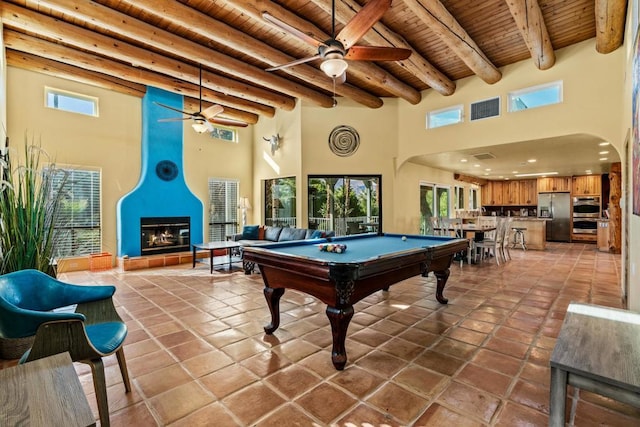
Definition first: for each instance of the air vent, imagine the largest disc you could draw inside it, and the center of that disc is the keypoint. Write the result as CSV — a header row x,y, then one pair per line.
x,y
485,109
484,156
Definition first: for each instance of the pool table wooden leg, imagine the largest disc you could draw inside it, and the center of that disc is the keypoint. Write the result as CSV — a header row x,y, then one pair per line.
x,y
339,319
441,277
273,301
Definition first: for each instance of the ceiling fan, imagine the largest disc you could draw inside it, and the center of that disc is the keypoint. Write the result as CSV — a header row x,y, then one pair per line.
x,y
203,119
342,46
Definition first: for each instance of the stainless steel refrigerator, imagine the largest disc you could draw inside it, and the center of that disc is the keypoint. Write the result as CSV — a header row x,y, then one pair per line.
x,y
557,208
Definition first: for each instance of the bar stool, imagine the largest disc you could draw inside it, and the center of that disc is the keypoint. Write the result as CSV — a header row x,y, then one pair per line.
x,y
518,237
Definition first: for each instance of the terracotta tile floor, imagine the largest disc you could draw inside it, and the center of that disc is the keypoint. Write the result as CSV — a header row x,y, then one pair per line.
x,y
197,353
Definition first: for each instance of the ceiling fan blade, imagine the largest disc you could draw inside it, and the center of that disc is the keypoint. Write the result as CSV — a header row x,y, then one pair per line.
x,y
292,63
174,119
362,22
291,30
227,122
171,108
212,111
377,53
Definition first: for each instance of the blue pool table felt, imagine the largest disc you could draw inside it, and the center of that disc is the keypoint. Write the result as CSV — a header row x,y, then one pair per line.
x,y
360,248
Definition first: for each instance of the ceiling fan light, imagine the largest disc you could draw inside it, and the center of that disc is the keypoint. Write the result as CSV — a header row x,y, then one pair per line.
x,y
334,67
199,126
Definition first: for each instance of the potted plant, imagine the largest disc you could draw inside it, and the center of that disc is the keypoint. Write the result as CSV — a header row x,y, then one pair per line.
x,y
29,203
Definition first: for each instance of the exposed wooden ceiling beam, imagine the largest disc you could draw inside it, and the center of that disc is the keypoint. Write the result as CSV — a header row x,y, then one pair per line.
x,y
41,65
28,20
469,178
530,22
222,33
610,21
247,111
364,70
381,35
442,23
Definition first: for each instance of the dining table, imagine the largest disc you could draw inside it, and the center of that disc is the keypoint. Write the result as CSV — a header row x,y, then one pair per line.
x,y
467,229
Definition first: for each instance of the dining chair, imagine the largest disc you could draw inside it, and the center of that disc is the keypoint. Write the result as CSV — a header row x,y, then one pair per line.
x,y
505,240
453,227
30,305
435,225
490,245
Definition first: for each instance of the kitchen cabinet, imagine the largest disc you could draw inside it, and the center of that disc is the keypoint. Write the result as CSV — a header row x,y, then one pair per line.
x,y
515,192
554,184
583,185
492,193
529,192
511,193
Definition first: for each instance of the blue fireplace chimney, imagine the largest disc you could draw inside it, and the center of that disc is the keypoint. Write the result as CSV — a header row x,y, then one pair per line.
x,y
161,190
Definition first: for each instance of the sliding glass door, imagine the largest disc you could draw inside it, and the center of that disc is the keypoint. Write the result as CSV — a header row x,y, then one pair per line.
x,y
346,204
434,201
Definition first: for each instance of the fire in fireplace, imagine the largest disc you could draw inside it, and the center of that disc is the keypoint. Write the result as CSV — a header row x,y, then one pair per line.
x,y
165,234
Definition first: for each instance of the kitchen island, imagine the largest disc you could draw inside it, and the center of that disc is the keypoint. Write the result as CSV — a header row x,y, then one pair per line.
x,y
535,235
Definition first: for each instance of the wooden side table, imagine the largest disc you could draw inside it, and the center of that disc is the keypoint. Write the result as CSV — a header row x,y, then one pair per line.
x,y
45,392
598,350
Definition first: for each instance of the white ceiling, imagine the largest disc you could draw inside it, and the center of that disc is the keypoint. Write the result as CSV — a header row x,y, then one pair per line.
x,y
567,155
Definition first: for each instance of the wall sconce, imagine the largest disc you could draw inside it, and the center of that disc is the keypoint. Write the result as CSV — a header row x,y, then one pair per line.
x,y
274,142
244,204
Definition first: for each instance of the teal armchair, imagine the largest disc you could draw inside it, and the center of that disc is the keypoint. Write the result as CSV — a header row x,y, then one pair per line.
x,y
93,331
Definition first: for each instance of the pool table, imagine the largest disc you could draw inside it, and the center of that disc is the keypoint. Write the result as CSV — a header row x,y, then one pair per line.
x,y
371,262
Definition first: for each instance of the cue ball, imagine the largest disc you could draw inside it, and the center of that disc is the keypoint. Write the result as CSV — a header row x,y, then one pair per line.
x,y
404,237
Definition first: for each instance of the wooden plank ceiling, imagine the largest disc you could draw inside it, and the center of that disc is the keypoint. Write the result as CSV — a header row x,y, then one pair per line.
x,y
125,45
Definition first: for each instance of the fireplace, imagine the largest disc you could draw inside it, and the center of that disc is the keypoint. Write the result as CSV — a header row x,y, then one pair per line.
x,y
147,209
165,234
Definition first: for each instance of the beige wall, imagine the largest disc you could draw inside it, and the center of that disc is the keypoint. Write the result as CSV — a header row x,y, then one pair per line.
x,y
111,142
285,162
631,223
592,104
377,129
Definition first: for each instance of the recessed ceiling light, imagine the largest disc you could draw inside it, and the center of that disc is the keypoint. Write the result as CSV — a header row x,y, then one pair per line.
x,y
588,172
537,174
602,159
531,160
476,165
488,169
506,179
603,152
514,172
464,160
603,144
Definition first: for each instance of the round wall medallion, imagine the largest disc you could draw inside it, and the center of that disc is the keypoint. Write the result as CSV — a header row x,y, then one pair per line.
x,y
166,170
344,140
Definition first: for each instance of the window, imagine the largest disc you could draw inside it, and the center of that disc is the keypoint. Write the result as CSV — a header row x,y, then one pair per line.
x,y
69,101
434,201
536,96
224,133
77,230
473,198
444,117
458,202
280,202
223,208
346,204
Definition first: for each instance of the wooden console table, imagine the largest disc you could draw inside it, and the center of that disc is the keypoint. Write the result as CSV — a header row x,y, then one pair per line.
x,y
598,350
45,392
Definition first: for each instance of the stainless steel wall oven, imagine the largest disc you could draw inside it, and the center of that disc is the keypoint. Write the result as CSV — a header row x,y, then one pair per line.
x,y
586,211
